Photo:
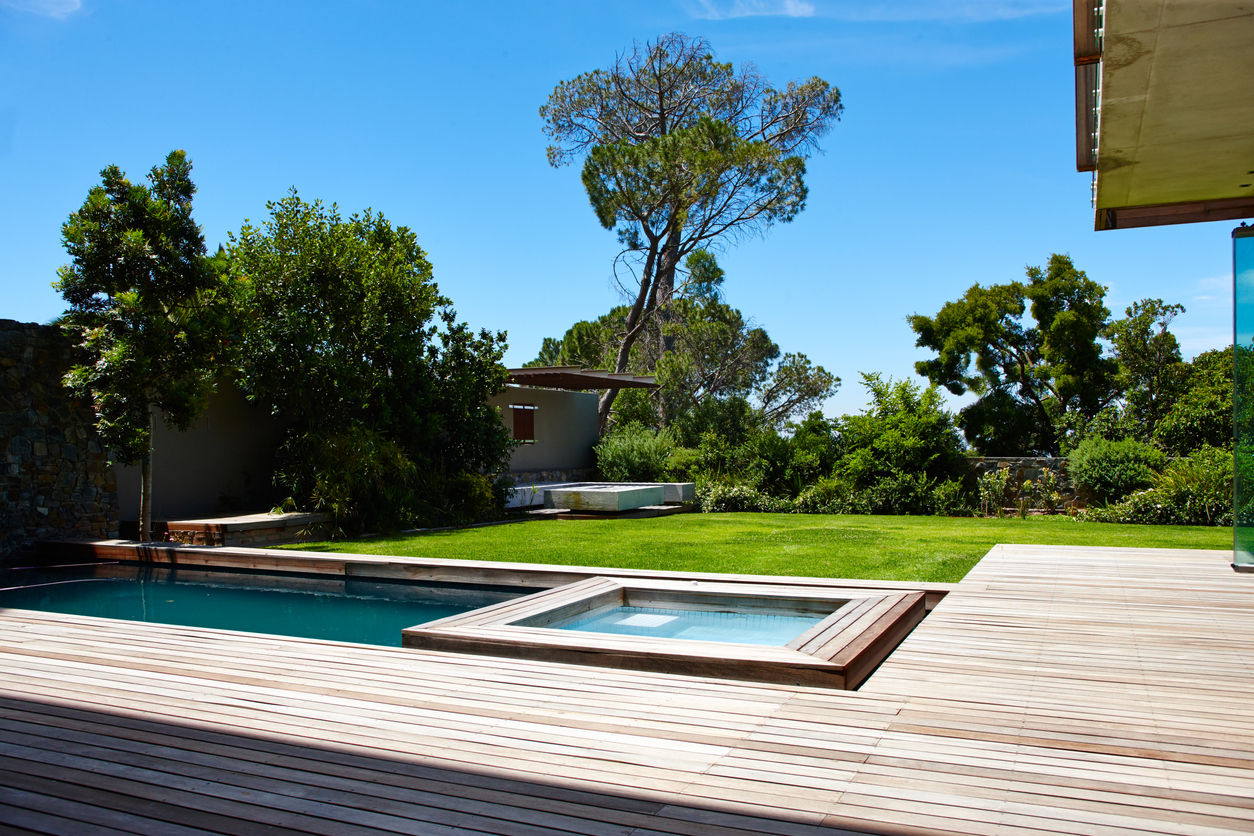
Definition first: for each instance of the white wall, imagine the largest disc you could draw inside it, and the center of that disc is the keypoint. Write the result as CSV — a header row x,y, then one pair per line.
x,y
228,453
566,428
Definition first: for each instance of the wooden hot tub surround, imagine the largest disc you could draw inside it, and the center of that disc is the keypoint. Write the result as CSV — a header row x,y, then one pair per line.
x,y
860,628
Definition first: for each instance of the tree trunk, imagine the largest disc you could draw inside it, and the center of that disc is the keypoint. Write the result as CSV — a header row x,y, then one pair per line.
x,y
145,487
666,289
644,304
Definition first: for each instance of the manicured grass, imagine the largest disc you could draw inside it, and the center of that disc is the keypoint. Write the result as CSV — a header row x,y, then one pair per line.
x,y
940,549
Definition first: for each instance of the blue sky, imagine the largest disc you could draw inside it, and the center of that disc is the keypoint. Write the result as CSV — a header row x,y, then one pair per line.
x,y
953,163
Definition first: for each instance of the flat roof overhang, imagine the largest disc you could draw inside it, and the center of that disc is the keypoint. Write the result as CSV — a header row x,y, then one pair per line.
x,y
1165,109
573,377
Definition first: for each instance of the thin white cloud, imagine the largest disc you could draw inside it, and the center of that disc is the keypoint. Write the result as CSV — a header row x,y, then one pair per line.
x,y
880,10
716,10
59,9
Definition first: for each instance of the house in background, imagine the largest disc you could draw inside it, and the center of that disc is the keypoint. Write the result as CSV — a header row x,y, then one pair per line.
x,y
552,412
225,463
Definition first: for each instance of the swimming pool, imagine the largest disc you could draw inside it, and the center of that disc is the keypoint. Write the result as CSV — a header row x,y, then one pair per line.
x,y
338,608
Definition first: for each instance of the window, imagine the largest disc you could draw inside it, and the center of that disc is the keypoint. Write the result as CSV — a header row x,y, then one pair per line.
x,y
524,422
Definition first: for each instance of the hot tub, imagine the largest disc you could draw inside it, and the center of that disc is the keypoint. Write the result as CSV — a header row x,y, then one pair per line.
x,y
831,637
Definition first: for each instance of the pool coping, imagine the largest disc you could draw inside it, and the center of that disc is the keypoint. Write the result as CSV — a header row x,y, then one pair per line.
x,y
440,570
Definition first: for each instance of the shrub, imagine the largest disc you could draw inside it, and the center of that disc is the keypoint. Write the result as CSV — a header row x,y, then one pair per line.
x,y
684,465
1043,493
1193,491
826,496
361,478
1111,470
634,453
992,488
905,430
951,499
715,496
460,498
899,493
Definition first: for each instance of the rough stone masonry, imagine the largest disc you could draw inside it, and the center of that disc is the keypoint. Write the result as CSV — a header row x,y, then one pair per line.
x,y
55,481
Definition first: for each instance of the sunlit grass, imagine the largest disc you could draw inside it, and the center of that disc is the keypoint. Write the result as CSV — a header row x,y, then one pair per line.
x,y
935,549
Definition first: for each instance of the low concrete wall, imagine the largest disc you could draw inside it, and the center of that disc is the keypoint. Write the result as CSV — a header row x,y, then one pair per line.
x,y
565,429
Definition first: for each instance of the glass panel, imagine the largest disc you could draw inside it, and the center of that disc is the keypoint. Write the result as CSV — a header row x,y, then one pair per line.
x,y
1243,395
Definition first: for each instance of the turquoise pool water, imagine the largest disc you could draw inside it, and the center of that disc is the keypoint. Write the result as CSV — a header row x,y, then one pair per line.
x,y
702,625
335,609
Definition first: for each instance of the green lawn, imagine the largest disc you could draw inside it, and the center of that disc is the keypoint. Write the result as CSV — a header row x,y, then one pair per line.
x,y
884,548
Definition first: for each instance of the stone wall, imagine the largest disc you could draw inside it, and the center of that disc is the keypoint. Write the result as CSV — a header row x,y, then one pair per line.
x,y
1027,467
55,481
1021,467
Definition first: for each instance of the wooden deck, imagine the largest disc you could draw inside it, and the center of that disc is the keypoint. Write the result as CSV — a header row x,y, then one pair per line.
x,y
1057,690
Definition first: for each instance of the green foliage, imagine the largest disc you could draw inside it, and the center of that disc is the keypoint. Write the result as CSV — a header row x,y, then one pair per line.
x,y
685,464
731,419
151,312
902,493
722,497
897,493
634,453
1027,376
905,430
1203,415
1044,492
460,498
150,309
952,499
1192,491
685,173
827,495
992,488
1110,470
355,475
897,458
715,353
343,346
680,151
1113,423
715,360
634,406
815,450
1151,373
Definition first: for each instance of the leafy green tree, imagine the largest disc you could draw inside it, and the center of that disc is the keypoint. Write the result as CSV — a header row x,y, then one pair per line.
x,y
384,394
680,151
905,429
1029,377
1203,415
717,354
815,450
1151,373
149,307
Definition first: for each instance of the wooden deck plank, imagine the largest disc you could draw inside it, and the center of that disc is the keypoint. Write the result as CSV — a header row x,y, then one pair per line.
x,y
1054,690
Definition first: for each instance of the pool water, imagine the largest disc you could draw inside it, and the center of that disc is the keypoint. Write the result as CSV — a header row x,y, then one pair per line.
x,y
337,609
701,625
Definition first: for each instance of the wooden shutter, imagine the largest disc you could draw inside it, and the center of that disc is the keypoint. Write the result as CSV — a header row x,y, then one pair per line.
x,y
524,422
